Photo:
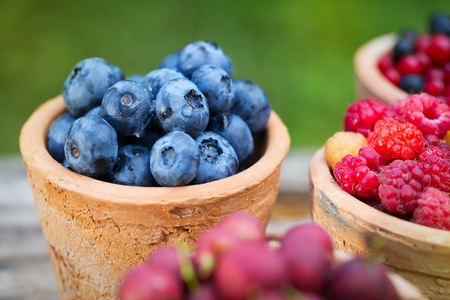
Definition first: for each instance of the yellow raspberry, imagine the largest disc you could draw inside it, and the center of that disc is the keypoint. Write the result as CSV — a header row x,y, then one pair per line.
x,y
341,144
447,137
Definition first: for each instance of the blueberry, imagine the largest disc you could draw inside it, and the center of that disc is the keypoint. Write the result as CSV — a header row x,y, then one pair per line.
x,y
412,84
217,86
200,53
217,158
409,33
251,104
91,146
440,23
170,61
136,77
95,111
132,167
236,132
156,78
57,134
87,83
174,159
128,107
403,46
180,106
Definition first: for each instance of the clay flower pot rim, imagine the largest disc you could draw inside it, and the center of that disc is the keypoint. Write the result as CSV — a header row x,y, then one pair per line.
x,y
366,68
320,173
33,148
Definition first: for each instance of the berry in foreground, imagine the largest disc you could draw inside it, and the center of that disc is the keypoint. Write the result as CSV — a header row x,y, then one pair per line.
x,y
91,146
174,159
87,83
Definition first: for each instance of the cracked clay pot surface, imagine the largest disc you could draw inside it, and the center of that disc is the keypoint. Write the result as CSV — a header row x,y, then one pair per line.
x,y
418,253
96,231
369,81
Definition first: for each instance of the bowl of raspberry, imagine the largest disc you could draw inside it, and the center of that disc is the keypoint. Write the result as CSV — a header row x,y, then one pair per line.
x,y
121,165
394,65
381,187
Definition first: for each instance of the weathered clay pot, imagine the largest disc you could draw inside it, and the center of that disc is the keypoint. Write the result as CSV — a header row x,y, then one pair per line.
x,y
418,253
370,82
95,230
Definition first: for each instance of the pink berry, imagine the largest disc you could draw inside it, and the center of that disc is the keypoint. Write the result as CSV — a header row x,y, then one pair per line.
x,y
428,113
362,115
401,183
244,226
355,177
433,209
358,279
373,158
248,269
307,233
151,283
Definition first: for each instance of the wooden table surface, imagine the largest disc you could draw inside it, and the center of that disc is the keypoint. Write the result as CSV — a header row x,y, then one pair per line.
x,y
25,269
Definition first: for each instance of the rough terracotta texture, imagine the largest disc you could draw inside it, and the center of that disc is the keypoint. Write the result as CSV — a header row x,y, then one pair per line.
x,y
418,253
370,82
95,231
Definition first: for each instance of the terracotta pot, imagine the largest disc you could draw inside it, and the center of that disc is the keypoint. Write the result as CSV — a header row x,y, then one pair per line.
x,y
96,231
370,82
418,253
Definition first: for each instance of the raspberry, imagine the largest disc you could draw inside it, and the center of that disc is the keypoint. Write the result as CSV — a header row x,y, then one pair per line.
x,y
355,177
401,184
428,113
436,164
393,139
362,114
373,158
433,209
341,144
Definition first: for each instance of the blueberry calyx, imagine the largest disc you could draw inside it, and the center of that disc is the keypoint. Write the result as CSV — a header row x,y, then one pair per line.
x,y
210,150
193,100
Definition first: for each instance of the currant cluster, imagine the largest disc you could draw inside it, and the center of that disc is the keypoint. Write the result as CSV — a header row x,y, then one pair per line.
x,y
235,260
400,162
421,62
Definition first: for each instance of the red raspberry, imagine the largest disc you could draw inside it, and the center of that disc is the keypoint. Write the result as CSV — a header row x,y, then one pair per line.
x,y
355,177
409,64
373,158
400,185
433,209
386,62
396,139
435,87
362,115
392,75
422,43
436,164
428,113
439,49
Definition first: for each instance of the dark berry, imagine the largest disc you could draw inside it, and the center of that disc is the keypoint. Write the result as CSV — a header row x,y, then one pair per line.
x,y
91,146
412,83
57,135
155,79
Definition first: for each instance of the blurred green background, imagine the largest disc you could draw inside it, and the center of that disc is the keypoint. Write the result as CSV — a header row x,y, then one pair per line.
x,y
299,52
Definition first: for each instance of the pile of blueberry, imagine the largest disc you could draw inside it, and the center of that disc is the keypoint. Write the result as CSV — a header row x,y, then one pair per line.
x,y
421,62
186,122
